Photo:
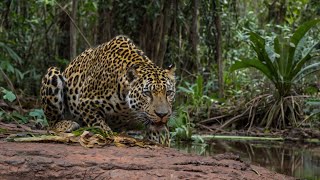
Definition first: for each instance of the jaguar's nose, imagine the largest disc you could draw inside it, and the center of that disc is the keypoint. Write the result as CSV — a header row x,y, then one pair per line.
x,y
161,114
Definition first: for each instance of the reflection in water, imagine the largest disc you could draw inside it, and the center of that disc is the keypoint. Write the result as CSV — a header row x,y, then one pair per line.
x,y
298,161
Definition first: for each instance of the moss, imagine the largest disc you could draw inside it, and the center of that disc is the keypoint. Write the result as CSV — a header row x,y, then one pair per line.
x,y
94,130
3,130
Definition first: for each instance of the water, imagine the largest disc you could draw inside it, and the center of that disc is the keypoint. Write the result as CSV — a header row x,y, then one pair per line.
x,y
300,161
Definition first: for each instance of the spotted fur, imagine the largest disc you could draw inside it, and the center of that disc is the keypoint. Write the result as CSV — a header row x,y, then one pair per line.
x,y
113,84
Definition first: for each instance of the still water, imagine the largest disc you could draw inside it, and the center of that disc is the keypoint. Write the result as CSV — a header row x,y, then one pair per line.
x,y
300,161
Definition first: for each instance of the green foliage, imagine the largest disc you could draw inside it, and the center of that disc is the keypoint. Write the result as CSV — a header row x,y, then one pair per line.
x,y
198,139
11,52
94,130
312,110
283,64
16,116
8,95
36,114
13,116
195,93
39,117
183,127
9,62
1,129
183,122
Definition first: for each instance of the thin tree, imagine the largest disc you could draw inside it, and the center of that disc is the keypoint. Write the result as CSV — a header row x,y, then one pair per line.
x,y
105,21
73,32
194,37
218,46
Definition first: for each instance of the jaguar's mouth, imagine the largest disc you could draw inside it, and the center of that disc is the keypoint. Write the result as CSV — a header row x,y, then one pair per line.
x,y
158,123
148,120
157,126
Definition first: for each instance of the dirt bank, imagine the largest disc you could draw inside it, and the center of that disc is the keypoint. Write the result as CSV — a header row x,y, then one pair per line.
x,y
61,161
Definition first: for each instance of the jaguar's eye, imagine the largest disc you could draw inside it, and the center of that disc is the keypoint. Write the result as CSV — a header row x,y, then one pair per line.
x,y
170,93
147,93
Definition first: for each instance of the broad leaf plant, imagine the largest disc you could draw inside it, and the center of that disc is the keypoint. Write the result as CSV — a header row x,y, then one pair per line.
x,y
283,63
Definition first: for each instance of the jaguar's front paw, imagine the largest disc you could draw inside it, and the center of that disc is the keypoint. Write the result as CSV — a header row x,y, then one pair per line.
x,y
159,135
65,126
73,126
109,133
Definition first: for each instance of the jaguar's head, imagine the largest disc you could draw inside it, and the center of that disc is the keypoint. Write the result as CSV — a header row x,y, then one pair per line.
x,y
151,94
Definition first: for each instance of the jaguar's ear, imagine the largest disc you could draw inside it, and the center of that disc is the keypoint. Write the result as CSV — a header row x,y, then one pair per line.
x,y
171,71
132,73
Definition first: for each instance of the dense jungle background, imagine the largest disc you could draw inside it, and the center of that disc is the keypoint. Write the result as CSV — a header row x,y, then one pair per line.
x,y
212,44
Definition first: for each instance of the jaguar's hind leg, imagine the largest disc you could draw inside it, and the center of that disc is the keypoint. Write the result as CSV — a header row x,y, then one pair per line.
x,y
53,101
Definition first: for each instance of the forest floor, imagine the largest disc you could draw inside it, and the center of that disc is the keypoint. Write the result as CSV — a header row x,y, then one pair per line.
x,y
73,161
296,134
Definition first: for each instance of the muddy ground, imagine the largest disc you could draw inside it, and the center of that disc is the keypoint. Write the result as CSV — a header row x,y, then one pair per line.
x,y
73,161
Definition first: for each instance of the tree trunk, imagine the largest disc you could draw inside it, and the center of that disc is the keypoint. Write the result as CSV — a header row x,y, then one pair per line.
x,y
63,43
104,21
166,25
5,14
194,38
191,63
73,32
276,11
218,46
153,33
173,41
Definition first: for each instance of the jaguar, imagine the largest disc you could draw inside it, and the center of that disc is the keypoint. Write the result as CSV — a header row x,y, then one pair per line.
x,y
113,86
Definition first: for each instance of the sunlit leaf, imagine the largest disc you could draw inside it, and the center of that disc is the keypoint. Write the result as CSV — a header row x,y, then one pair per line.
x,y
255,64
38,113
185,90
8,95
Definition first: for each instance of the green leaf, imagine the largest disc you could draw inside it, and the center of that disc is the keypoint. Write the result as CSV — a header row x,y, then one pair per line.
x,y
11,53
197,139
258,44
299,34
19,117
308,70
199,87
19,74
7,66
255,64
276,45
284,63
299,64
8,95
185,90
302,30
38,113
